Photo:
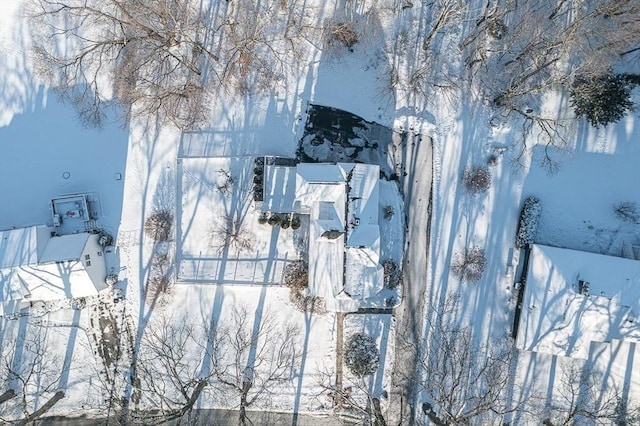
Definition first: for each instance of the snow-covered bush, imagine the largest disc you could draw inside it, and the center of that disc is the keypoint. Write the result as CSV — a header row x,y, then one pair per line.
x,y
295,222
262,219
274,220
285,222
105,239
111,279
361,355
476,179
469,265
388,212
529,219
158,226
497,28
392,274
601,99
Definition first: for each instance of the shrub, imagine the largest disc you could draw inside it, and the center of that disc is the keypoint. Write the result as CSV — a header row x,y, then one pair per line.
x,y
295,222
296,275
361,355
258,170
285,222
492,160
469,265
601,99
388,212
158,290
111,279
497,28
104,239
392,274
345,33
262,219
529,219
476,179
627,211
305,303
158,226
274,220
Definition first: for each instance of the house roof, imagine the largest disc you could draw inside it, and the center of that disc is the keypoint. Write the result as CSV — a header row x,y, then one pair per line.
x,y
337,197
49,281
279,189
22,246
64,247
557,319
36,266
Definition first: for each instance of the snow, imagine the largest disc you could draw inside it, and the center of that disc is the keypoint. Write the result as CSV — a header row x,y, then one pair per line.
x,y
164,168
22,246
48,268
558,320
64,247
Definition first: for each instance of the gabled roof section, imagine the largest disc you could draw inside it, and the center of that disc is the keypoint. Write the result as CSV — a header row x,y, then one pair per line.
x,y
65,247
22,246
320,173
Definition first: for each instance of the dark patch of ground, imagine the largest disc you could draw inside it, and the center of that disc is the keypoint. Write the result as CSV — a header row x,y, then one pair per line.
x,y
334,135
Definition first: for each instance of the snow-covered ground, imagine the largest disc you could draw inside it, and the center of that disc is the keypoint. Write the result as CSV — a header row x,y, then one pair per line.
x,y
40,140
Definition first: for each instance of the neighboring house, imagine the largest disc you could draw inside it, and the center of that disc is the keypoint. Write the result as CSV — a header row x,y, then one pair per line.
x,y
37,265
585,306
342,202
574,300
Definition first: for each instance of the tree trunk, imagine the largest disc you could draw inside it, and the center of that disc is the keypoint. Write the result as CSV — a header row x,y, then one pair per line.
x,y
46,407
7,396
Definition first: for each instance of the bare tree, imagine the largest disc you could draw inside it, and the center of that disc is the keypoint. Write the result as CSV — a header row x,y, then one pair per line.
x,y
158,226
469,264
153,56
253,355
232,235
161,59
443,14
170,366
518,51
464,382
32,370
582,398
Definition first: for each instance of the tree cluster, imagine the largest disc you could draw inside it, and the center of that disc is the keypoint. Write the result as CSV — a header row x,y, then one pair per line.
x,y
161,59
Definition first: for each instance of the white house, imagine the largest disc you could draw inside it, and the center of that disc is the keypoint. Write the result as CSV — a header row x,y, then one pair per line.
x,y
342,201
577,304
36,265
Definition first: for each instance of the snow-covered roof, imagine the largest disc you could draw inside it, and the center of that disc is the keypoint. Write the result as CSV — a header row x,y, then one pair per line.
x,y
22,246
557,319
36,266
364,276
49,281
320,173
338,197
279,189
64,247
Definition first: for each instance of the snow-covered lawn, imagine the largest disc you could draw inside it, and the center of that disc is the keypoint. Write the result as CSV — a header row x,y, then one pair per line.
x,y
217,205
45,154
